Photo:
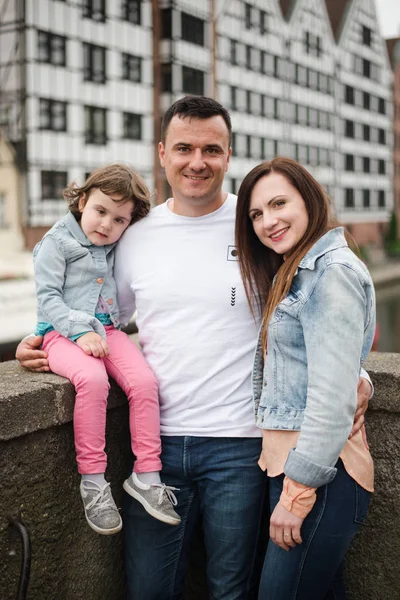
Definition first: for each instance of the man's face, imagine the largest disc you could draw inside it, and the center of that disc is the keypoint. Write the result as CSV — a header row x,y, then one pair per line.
x,y
195,156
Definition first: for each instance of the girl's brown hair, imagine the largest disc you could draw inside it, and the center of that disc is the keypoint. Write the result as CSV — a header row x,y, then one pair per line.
x,y
259,264
117,178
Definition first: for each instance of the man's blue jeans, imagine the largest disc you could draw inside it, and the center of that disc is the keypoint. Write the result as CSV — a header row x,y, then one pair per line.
x,y
219,479
313,570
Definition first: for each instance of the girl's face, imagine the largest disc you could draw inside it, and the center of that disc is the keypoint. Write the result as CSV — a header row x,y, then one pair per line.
x,y
278,213
103,220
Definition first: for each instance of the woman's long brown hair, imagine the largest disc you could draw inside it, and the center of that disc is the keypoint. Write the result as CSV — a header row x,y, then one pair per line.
x,y
259,264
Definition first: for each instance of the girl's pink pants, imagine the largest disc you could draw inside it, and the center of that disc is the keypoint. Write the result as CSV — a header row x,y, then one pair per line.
x,y
89,375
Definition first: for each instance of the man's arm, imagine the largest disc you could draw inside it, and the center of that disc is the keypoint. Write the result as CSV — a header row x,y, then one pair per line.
x,y
30,356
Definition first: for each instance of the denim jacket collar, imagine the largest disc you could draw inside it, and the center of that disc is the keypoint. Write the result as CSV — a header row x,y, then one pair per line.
x,y
75,230
332,240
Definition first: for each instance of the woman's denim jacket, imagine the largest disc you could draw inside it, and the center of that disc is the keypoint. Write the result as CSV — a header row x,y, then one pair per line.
x,y
70,275
318,338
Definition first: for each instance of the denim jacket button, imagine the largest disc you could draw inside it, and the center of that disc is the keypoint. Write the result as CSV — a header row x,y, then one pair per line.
x,y
99,280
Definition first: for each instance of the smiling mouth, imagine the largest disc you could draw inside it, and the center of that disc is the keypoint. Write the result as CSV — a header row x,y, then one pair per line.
x,y
278,235
101,234
194,178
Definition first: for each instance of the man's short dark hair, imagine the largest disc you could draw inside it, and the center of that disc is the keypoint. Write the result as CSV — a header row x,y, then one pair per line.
x,y
196,107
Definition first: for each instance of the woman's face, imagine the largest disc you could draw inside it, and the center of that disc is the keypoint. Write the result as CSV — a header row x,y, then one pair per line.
x,y
278,213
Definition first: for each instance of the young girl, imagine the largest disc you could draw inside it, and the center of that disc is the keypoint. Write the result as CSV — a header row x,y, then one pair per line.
x,y
78,319
318,327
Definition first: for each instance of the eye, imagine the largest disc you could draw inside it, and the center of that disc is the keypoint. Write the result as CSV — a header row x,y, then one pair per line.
x,y
119,221
183,149
212,151
101,211
255,215
279,203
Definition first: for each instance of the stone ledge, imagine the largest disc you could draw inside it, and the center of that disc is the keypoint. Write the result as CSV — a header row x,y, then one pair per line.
x,y
33,401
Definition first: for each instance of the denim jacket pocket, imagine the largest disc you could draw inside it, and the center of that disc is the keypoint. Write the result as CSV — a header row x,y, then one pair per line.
x,y
363,499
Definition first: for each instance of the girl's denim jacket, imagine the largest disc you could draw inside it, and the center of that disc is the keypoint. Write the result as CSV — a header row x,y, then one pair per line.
x,y
70,275
318,338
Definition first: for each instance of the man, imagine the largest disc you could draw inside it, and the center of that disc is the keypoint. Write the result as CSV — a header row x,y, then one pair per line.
x,y
178,267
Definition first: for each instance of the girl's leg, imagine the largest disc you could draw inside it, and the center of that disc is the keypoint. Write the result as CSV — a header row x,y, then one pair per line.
x,y
129,369
90,380
308,571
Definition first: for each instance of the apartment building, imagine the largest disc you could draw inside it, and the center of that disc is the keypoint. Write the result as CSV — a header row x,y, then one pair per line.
x,y
393,46
87,83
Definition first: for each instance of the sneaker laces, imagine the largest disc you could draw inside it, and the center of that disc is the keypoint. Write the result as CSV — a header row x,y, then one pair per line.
x,y
99,500
168,490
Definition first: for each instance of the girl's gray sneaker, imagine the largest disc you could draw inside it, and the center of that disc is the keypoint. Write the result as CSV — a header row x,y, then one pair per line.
x,y
157,499
100,509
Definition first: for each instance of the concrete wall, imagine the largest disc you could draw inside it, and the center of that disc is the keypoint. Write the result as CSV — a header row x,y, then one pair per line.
x,y
39,483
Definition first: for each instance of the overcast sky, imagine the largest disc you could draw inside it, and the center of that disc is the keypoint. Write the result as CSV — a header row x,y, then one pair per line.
x,y
389,17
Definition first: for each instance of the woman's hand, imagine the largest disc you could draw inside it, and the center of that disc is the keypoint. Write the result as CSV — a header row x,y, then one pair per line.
x,y
363,395
284,528
92,343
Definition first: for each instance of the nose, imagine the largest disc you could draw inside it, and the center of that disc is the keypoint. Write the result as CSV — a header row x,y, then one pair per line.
x,y
269,220
107,222
197,162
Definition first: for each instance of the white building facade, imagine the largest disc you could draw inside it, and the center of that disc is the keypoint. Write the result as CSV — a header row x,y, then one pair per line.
x,y
308,79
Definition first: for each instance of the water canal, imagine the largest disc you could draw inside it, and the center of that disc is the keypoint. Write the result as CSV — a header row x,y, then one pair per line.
x,y
388,317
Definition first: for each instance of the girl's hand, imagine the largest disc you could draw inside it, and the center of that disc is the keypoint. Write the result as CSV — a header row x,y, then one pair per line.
x,y
92,343
284,528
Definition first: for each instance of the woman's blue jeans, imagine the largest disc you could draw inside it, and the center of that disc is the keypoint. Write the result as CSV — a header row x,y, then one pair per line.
x,y
313,570
219,479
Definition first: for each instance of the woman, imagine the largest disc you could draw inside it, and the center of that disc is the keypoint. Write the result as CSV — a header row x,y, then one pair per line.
x,y
317,329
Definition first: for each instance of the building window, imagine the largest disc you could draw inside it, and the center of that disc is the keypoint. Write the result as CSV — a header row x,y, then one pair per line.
x,y
366,164
132,126
53,183
166,23
349,198
247,16
267,63
94,63
381,167
192,29
382,106
349,129
234,143
381,199
349,94
301,75
381,136
52,115
131,67
263,22
192,81
366,133
52,48
248,102
312,44
366,36
234,52
366,100
131,11
95,125
233,98
349,162
248,146
366,68
366,198
95,10
166,77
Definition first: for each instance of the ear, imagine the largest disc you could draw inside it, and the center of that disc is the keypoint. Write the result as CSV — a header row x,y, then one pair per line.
x,y
82,202
161,153
228,159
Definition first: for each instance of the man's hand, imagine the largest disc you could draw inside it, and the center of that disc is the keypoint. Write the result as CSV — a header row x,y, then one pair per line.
x,y
284,528
92,343
363,395
29,355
